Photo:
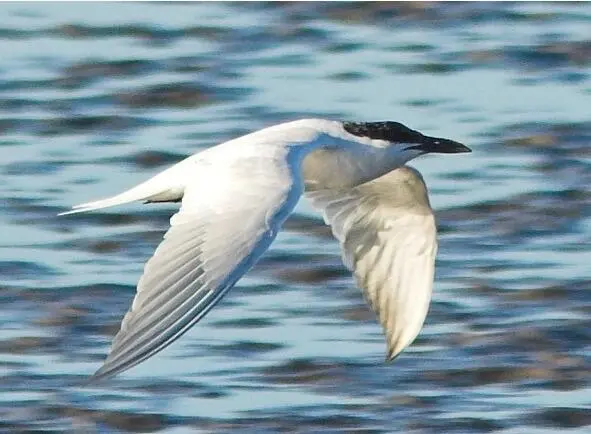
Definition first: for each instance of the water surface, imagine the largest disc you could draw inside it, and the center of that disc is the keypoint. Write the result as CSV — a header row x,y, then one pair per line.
x,y
96,97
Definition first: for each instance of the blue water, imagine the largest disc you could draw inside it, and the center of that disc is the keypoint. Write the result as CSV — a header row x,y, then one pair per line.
x,y
95,97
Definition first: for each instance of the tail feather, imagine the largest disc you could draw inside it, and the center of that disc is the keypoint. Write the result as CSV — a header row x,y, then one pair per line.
x,y
167,186
119,199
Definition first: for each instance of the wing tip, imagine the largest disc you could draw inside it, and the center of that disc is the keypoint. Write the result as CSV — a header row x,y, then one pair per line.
x,y
103,373
394,350
93,379
391,355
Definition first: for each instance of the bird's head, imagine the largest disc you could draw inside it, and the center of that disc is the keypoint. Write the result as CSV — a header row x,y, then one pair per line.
x,y
403,139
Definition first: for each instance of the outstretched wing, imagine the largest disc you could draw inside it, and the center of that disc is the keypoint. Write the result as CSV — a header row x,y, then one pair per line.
x,y
226,221
388,239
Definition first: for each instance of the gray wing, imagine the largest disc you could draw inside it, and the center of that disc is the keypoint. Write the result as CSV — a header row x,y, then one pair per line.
x,y
221,230
387,233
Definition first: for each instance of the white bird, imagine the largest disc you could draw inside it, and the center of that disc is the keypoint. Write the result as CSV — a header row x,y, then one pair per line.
x,y
235,198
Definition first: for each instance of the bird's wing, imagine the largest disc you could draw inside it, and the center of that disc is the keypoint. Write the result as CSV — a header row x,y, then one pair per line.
x,y
228,218
391,250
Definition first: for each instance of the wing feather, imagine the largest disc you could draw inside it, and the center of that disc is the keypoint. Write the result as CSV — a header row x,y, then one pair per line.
x,y
387,233
217,235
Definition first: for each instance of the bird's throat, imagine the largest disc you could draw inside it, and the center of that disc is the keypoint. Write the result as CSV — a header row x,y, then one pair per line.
x,y
338,168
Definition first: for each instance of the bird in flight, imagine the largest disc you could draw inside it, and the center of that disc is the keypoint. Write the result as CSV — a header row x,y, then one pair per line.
x,y
235,198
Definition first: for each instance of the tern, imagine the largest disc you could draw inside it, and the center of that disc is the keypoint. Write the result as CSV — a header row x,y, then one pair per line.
x,y
236,196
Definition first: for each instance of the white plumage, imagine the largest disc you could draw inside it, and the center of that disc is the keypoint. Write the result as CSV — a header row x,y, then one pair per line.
x,y
235,197
387,233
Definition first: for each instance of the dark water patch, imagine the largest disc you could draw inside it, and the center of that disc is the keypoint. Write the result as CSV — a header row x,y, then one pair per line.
x,y
520,218
308,420
48,383
14,365
12,34
360,312
12,85
348,76
576,291
29,168
309,273
557,339
257,38
29,345
379,13
556,140
344,47
106,246
425,15
295,60
521,357
245,323
210,33
569,294
76,124
227,94
25,269
274,258
147,32
294,419
456,425
138,246
564,53
111,419
185,95
151,159
189,65
414,48
560,417
445,312
18,104
73,294
304,371
308,225
12,142
570,77
214,137
431,68
425,102
93,70
562,61
156,34
63,316
474,377
168,386
567,336
246,348
73,315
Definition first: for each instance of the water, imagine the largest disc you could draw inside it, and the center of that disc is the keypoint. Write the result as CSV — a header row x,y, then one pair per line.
x,y
96,97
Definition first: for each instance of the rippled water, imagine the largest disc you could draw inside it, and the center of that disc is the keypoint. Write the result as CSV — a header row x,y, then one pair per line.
x,y
97,97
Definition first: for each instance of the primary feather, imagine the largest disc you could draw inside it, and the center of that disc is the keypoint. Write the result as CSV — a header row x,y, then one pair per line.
x,y
217,235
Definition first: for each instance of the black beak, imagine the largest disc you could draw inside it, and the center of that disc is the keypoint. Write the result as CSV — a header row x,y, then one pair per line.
x,y
440,146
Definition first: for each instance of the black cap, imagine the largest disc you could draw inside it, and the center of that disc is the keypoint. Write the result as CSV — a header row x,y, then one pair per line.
x,y
397,133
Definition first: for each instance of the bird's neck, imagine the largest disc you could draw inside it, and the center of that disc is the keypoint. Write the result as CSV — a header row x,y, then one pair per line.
x,y
348,166
378,161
